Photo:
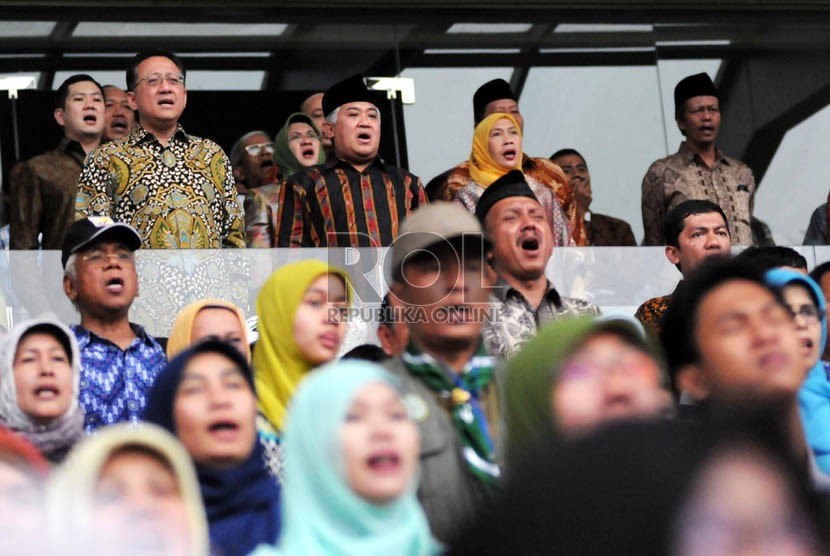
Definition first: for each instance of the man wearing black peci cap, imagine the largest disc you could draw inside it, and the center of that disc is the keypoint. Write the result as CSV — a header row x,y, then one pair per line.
x,y
524,298
493,97
699,170
119,360
355,198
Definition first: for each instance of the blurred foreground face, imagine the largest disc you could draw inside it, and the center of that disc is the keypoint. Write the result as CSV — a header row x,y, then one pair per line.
x,y
741,505
317,334
21,508
380,445
215,412
807,322
138,506
606,379
747,346
220,324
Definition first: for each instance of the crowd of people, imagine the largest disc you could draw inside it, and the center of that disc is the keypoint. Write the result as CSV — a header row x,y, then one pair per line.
x,y
496,416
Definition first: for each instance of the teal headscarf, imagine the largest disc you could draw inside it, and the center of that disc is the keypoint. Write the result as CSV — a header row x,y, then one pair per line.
x,y
814,395
321,514
531,374
286,160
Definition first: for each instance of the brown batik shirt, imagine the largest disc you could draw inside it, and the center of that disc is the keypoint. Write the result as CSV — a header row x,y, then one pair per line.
x,y
729,183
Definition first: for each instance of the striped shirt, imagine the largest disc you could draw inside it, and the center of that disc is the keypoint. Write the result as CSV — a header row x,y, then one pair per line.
x,y
335,205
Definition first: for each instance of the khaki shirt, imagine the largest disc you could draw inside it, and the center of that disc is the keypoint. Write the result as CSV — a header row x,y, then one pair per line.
x,y
684,176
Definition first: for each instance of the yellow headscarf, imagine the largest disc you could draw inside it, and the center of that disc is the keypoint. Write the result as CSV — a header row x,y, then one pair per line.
x,y
278,364
181,334
483,169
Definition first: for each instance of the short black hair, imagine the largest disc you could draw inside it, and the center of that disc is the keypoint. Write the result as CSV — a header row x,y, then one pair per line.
x,y
387,313
819,271
366,352
675,219
63,90
132,69
680,321
567,152
767,258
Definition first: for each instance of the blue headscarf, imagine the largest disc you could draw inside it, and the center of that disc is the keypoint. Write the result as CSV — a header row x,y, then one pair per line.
x,y
814,395
322,514
242,503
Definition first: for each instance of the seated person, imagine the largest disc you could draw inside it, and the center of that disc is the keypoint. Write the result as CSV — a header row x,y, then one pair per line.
x,y
206,397
817,229
692,231
600,229
131,490
39,381
352,452
577,375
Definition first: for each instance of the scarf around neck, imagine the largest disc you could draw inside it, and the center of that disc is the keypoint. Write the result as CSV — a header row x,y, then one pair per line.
x,y
483,169
464,391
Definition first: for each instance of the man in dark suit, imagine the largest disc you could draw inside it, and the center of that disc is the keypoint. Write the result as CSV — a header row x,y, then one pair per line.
x,y
600,229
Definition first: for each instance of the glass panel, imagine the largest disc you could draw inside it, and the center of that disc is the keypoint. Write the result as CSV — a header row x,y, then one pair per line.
x,y
439,126
26,28
117,78
489,28
225,80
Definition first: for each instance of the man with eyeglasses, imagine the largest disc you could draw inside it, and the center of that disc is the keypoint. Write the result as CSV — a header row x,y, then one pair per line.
x,y
252,158
355,198
119,360
175,189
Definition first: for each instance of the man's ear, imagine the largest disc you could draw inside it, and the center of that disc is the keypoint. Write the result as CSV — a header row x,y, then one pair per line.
x,y
672,254
691,379
131,100
328,129
59,116
239,174
69,289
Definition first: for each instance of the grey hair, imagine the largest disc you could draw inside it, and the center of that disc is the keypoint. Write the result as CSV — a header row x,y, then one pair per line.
x,y
71,271
332,117
238,149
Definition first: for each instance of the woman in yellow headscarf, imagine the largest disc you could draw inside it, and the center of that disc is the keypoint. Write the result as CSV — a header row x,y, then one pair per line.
x,y
497,149
209,318
300,327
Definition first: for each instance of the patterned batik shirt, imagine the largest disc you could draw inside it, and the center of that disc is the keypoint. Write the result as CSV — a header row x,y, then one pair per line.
x,y
177,197
514,322
650,313
729,183
115,383
335,205
42,196
261,211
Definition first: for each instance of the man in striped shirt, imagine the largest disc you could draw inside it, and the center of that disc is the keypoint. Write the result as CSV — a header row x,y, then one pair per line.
x,y
355,199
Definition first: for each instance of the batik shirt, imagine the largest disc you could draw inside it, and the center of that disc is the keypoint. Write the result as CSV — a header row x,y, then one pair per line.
x,y
729,183
115,383
271,443
514,322
335,205
261,211
177,197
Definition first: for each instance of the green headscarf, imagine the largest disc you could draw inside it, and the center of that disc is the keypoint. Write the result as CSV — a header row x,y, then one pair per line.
x,y
531,374
321,513
286,160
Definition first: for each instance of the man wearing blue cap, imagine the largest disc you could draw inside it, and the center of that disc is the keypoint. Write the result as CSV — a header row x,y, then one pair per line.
x,y
699,170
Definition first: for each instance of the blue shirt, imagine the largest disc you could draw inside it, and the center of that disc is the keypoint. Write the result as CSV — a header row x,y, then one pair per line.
x,y
115,382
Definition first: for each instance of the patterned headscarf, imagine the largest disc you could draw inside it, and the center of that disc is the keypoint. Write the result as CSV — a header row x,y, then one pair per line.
x,y
321,513
285,158
279,365
483,169
55,439
181,335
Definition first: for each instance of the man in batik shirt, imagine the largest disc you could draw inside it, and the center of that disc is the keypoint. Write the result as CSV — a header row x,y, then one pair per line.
x,y
175,189
524,298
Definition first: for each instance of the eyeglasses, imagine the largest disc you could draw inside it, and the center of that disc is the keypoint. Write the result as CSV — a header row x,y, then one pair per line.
x,y
99,258
254,150
810,313
311,136
154,80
